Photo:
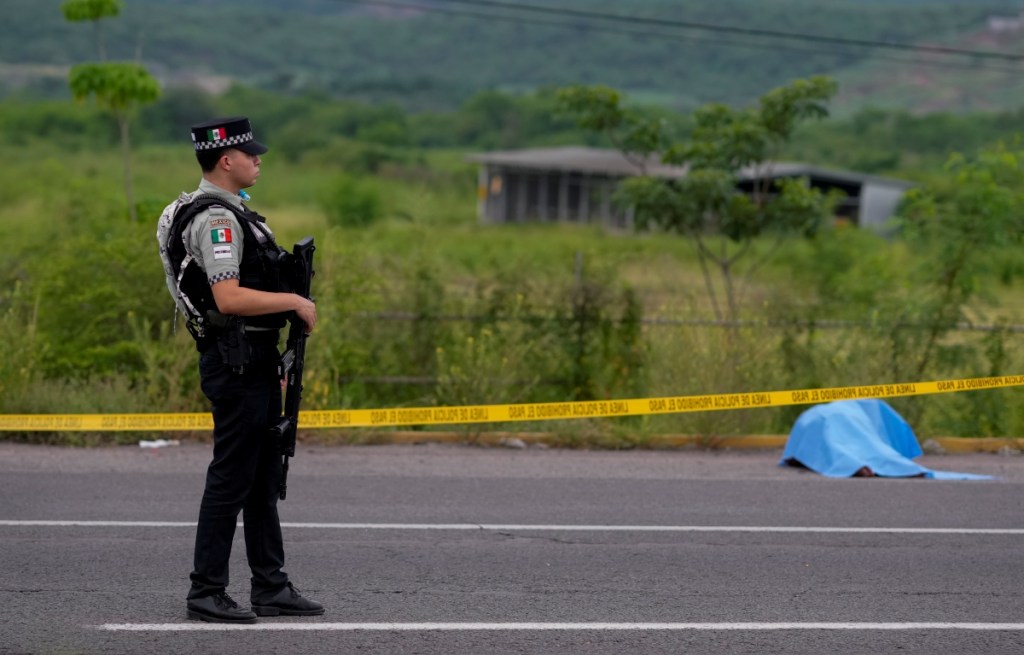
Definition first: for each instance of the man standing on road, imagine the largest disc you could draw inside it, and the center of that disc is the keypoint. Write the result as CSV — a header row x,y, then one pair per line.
x,y
226,276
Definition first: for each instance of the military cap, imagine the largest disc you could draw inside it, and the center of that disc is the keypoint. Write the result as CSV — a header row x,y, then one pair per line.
x,y
233,132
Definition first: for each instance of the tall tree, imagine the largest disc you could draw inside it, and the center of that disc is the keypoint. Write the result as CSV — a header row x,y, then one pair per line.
x,y
77,11
118,87
707,204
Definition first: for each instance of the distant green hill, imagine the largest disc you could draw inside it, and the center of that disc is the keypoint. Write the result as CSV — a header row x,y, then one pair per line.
x,y
424,59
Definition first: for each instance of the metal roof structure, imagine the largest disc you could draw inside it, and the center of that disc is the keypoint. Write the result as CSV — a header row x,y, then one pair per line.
x,y
613,163
576,183
578,159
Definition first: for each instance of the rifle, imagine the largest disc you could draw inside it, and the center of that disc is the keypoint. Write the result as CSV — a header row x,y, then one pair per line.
x,y
301,272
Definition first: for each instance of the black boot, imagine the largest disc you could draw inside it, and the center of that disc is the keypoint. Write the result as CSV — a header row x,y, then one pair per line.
x,y
288,602
218,608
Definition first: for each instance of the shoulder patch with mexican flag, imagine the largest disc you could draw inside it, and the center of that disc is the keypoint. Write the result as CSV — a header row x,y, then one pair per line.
x,y
221,235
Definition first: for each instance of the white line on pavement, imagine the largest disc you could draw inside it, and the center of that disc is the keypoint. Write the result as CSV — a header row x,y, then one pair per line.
x,y
448,627
543,528
102,524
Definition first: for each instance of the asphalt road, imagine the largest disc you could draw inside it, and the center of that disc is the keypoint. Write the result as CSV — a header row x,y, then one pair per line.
x,y
445,549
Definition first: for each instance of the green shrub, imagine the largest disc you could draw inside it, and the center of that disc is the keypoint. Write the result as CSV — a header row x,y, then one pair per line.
x,y
352,202
89,286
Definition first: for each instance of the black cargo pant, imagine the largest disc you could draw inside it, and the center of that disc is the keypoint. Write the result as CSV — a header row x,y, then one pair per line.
x,y
245,473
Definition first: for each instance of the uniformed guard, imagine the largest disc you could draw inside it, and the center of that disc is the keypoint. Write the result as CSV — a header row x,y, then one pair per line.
x,y
223,270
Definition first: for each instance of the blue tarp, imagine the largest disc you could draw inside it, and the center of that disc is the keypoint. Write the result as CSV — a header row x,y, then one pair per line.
x,y
839,439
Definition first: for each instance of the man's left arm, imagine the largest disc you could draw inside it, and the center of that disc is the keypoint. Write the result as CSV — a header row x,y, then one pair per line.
x,y
232,298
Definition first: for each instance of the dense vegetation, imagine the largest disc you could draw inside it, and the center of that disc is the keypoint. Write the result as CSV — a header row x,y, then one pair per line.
x,y
354,134
421,305
439,59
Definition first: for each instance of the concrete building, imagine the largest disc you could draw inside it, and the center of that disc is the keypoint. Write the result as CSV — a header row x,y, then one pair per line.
x,y
576,184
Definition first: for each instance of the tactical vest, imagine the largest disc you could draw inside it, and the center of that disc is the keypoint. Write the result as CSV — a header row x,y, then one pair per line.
x,y
260,268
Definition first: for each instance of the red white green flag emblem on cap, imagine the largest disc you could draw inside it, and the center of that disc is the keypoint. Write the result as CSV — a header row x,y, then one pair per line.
x,y
216,134
222,235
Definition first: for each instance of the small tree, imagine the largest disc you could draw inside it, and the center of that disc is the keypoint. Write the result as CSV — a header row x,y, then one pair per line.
x,y
118,87
957,226
707,205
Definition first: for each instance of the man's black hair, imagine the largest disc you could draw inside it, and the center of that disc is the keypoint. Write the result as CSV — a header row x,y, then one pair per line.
x,y
208,158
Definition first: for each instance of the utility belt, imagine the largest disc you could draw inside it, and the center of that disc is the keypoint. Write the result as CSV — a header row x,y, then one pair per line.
x,y
240,346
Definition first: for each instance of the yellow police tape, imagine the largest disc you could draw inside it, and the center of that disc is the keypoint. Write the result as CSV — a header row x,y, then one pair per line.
x,y
405,416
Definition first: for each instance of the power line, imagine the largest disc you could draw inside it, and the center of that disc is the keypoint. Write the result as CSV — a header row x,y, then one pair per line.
x,y
797,36
678,37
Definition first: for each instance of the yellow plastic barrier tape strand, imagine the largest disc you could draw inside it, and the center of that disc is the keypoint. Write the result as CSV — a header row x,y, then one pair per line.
x,y
405,416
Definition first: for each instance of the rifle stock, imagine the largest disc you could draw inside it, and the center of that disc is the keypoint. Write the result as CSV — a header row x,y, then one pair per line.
x,y
293,360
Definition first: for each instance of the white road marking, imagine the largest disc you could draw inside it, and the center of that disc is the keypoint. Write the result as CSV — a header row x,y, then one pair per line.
x,y
102,524
542,527
451,627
